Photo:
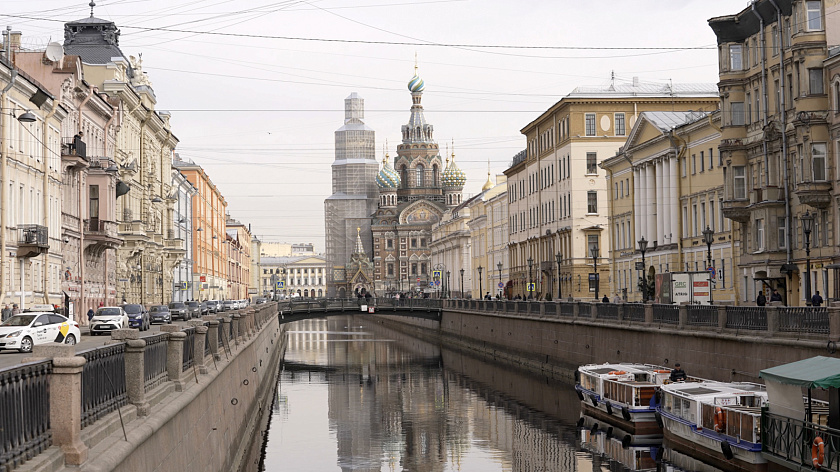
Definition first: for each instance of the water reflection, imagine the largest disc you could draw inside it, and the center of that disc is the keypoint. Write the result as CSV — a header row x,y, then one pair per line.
x,y
354,395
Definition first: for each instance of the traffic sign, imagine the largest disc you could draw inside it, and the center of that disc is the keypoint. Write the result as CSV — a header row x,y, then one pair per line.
x,y
437,282
281,284
501,285
436,274
532,287
711,271
418,280
640,266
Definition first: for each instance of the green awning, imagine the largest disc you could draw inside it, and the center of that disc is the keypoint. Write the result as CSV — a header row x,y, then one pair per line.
x,y
822,372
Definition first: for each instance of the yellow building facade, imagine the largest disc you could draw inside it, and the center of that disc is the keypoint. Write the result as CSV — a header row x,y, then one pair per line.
x,y
488,237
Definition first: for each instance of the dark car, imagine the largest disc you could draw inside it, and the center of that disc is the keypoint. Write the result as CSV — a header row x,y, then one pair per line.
x,y
160,314
179,310
194,309
205,308
214,306
138,317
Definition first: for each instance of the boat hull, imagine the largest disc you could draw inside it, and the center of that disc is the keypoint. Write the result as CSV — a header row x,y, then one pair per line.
x,y
684,438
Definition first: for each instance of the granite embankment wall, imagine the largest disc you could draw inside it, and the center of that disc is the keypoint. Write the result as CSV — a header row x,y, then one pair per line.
x,y
555,345
191,400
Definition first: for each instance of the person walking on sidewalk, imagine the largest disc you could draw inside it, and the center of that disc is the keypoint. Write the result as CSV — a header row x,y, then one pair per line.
x,y
817,299
761,300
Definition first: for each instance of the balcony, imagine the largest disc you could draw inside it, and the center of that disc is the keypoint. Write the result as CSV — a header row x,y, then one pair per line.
x,y
74,152
33,240
736,210
767,196
102,234
815,194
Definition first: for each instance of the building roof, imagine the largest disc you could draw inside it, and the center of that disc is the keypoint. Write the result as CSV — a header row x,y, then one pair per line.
x,y
668,120
640,89
94,40
286,260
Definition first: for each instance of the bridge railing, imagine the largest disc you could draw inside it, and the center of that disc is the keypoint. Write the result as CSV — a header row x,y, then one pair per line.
x,y
107,378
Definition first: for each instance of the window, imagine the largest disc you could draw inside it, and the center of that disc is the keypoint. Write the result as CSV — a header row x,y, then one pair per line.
x,y
592,202
413,242
683,166
737,109
735,57
740,182
619,124
621,187
615,192
813,11
421,176
685,221
414,269
592,243
693,164
836,97
759,234
94,207
774,40
749,112
422,242
390,244
711,158
696,220
712,214
423,268
590,124
627,186
815,81
702,162
591,163
818,161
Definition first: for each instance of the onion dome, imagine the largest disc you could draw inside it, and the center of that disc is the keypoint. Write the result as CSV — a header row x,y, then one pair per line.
x,y
416,84
487,185
387,178
452,175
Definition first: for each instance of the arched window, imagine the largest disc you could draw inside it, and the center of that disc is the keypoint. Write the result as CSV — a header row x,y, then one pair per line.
x,y
404,176
320,293
435,175
421,176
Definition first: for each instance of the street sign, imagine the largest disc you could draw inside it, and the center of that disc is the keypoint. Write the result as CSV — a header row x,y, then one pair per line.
x,y
640,266
418,280
501,285
532,287
436,274
437,282
711,271
281,284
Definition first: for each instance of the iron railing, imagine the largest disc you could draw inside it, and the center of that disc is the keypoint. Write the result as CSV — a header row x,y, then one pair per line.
x,y
207,341
25,413
746,317
33,235
702,315
188,358
567,310
790,439
154,360
667,314
103,382
634,312
607,311
804,319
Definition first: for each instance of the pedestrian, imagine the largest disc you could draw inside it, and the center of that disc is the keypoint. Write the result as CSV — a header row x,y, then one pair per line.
x,y
488,297
816,300
761,300
678,375
15,309
7,313
617,298
90,315
775,296
606,299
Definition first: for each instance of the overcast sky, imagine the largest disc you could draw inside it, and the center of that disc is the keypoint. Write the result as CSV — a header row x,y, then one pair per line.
x,y
257,101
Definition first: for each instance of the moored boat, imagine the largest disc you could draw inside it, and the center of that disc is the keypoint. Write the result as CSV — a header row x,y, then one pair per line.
x,y
615,444
717,422
621,395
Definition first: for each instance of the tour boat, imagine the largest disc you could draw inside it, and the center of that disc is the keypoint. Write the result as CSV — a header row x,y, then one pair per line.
x,y
609,441
716,422
621,395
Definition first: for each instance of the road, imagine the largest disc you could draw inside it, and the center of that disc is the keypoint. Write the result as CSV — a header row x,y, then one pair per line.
x,y
12,358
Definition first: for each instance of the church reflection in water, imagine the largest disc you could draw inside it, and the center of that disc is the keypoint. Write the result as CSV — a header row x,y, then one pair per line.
x,y
354,395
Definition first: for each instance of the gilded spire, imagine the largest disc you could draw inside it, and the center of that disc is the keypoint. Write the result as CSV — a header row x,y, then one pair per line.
x,y
360,248
489,184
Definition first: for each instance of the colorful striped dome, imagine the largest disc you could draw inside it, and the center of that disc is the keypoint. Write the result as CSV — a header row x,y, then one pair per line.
x,y
452,175
416,84
387,178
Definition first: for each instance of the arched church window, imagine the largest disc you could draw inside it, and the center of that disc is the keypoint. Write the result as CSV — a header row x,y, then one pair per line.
x,y
434,175
404,176
421,176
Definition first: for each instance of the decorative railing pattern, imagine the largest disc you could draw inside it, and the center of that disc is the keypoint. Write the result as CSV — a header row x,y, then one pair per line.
x,y
667,314
702,315
25,413
103,382
189,349
154,361
746,317
790,439
804,319
607,311
634,312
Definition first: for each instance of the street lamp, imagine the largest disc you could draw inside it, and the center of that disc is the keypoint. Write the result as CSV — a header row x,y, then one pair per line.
x,y
559,281
447,290
642,248
480,285
708,238
499,266
530,267
462,283
594,251
807,224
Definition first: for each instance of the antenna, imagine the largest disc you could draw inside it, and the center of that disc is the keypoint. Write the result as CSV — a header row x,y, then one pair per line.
x,y
54,52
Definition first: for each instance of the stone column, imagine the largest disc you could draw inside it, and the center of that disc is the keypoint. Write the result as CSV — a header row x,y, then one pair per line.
x,y
683,316
175,355
224,332
637,204
234,318
648,312
664,206
721,316
833,323
641,195
65,399
659,204
135,360
198,356
213,335
772,320
650,200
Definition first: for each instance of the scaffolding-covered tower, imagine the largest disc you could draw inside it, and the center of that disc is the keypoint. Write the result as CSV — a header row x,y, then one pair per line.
x,y
355,193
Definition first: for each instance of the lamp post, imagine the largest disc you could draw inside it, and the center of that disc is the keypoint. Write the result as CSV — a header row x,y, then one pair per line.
x,y
807,224
447,291
480,285
642,248
594,251
559,281
530,267
499,266
462,283
708,238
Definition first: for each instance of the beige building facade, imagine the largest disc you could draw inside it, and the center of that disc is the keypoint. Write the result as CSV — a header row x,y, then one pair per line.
x,y
301,276
488,237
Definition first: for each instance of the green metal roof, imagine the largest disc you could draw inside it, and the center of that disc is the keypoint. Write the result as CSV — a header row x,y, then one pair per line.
x,y
819,371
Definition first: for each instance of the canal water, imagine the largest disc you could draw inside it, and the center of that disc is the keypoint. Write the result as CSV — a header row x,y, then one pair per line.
x,y
353,395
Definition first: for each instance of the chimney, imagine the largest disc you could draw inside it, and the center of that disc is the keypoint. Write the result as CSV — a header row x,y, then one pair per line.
x,y
14,40
635,81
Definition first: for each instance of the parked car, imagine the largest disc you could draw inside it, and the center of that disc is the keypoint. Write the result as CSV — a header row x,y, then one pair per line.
x,y
138,317
260,301
194,308
205,309
228,305
108,318
23,331
179,310
160,314
214,306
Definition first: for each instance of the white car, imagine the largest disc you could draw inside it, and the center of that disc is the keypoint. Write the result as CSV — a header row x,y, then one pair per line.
x,y
23,331
108,318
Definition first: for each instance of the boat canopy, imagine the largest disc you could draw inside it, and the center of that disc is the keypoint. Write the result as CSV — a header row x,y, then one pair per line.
x,y
819,371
